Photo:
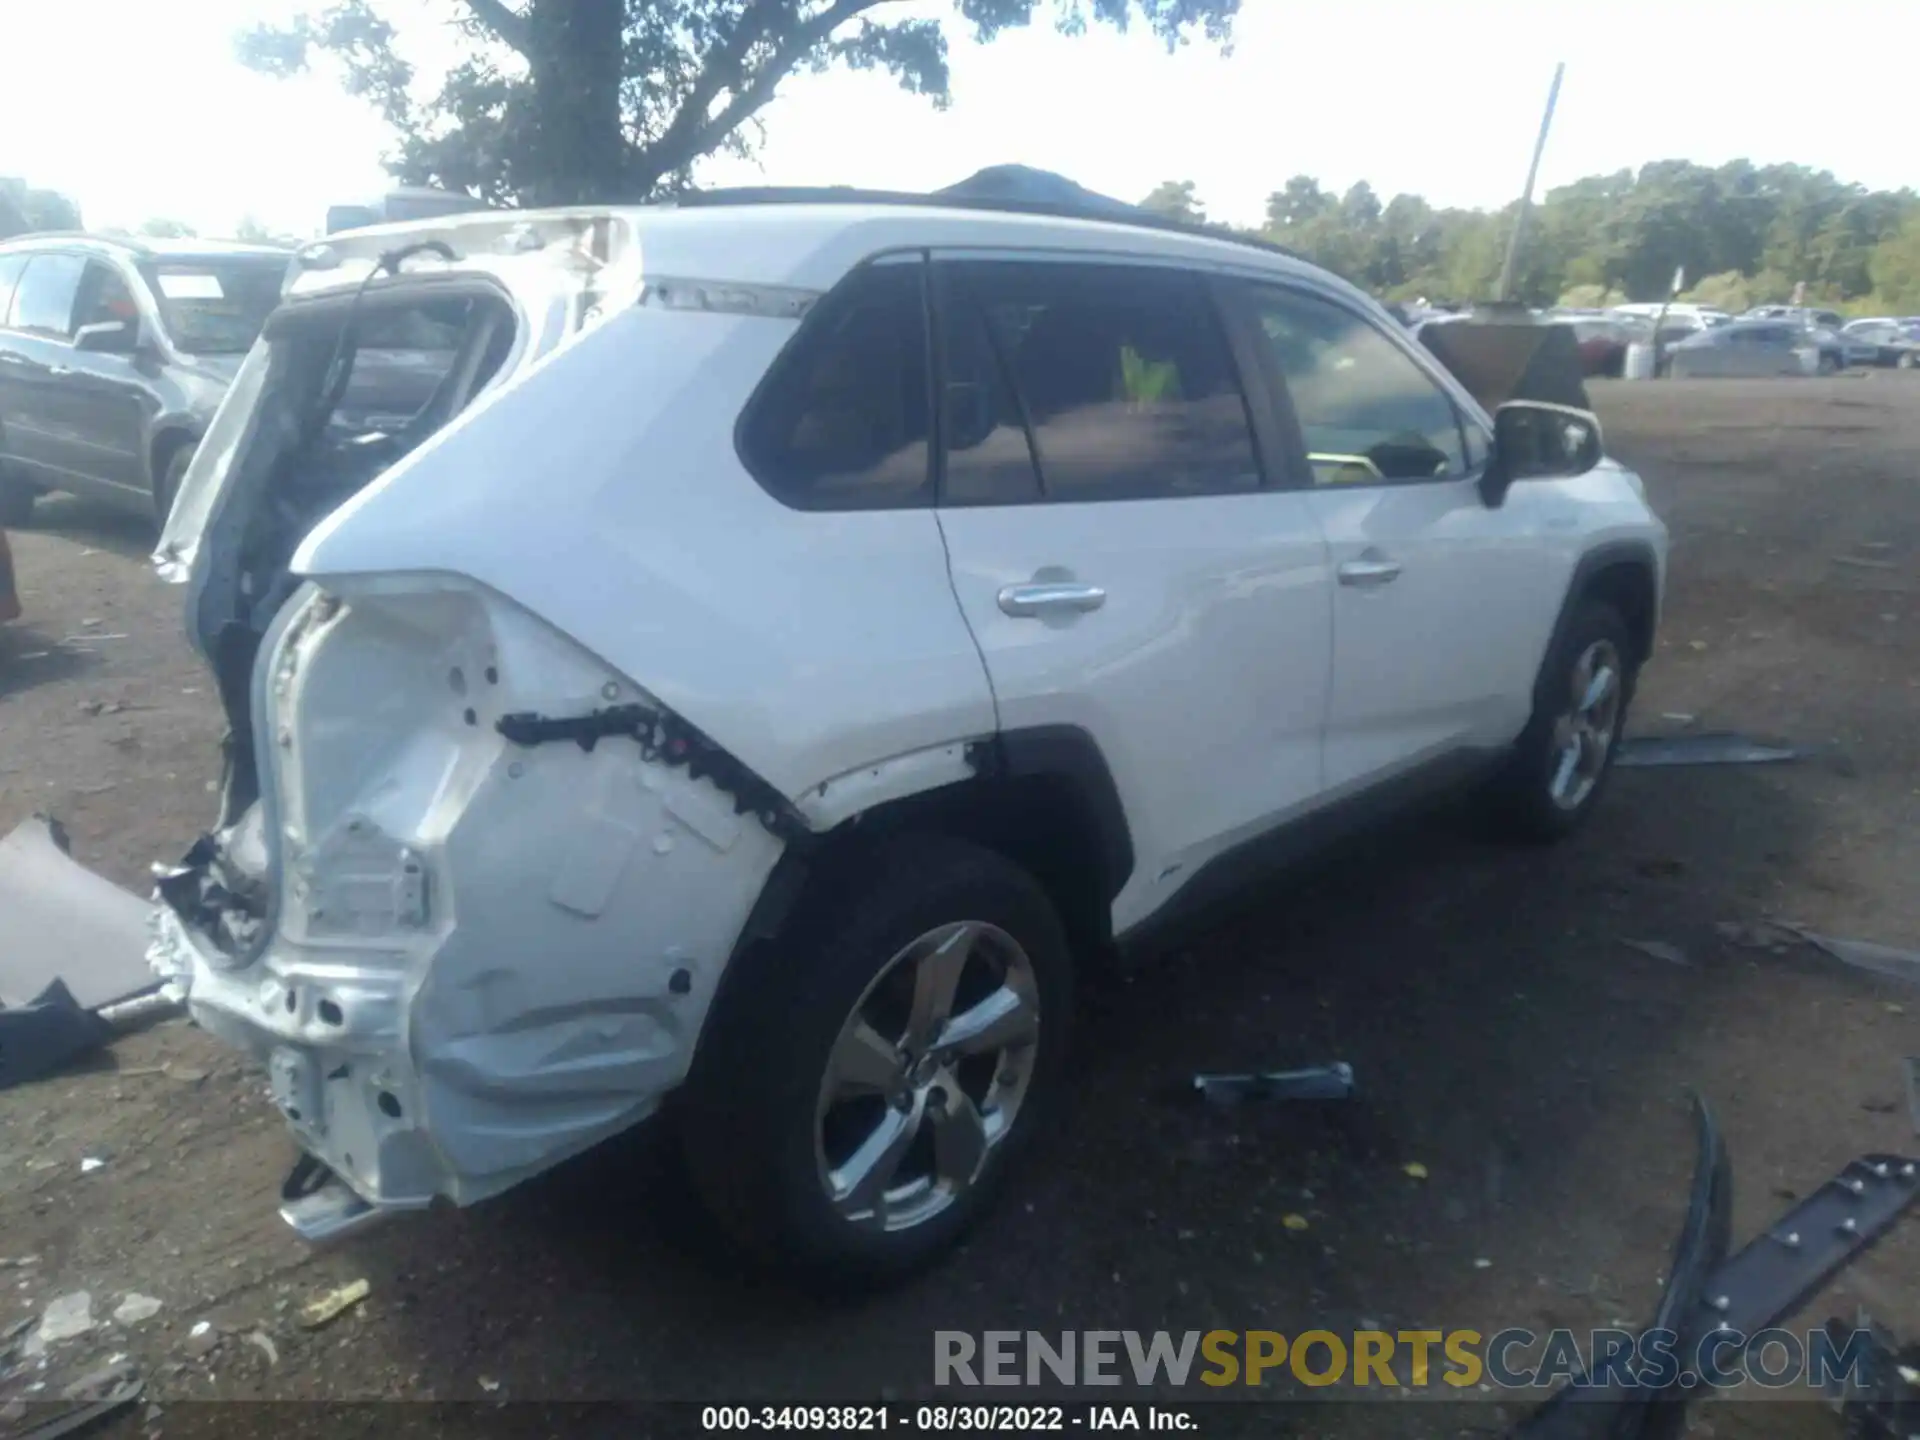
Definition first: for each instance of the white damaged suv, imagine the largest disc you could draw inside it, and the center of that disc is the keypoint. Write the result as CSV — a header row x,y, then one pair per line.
x,y
750,652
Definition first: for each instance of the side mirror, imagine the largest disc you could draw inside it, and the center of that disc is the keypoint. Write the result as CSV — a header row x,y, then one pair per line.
x,y
109,337
1533,440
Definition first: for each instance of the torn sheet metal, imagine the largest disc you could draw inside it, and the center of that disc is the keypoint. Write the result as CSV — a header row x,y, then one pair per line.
x,y
1886,960
61,922
1315,1082
1719,748
70,944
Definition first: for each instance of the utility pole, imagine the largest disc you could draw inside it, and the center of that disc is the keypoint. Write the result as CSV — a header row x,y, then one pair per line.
x,y
1526,197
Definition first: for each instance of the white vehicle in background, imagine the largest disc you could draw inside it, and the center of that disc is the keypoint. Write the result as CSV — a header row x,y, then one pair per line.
x,y
1699,317
779,642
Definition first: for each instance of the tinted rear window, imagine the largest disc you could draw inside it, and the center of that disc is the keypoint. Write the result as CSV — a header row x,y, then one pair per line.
x,y
215,306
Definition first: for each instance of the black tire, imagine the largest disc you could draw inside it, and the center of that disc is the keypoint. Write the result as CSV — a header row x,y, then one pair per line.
x,y
749,1113
168,485
1522,798
1829,364
16,502
1907,360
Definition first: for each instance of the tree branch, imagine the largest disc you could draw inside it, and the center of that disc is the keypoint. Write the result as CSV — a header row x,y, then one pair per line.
x,y
503,24
699,133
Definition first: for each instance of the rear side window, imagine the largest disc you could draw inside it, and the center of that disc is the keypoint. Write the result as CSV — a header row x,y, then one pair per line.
x,y
1368,414
1117,380
10,268
43,299
841,422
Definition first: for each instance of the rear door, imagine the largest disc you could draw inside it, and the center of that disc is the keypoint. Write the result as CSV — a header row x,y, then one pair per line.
x,y
1126,563
1441,606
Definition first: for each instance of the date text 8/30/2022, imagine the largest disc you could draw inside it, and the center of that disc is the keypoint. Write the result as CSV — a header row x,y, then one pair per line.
x,y
1002,1419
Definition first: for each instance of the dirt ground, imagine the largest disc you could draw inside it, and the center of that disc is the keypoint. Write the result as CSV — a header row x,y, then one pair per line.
x,y
1505,1038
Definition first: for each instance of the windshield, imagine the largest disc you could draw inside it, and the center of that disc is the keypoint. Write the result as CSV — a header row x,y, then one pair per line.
x,y
216,306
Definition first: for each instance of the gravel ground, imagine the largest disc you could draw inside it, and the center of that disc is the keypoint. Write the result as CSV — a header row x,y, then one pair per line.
x,y
1507,1040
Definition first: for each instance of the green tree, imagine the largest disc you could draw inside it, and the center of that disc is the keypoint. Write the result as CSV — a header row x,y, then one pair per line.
x,y
24,209
1176,201
565,101
160,228
1895,267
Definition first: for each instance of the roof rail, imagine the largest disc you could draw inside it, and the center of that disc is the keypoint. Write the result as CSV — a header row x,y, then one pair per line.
x,y
1112,212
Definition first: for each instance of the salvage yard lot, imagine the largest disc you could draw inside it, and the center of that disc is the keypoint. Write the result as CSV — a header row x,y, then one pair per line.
x,y
1504,1036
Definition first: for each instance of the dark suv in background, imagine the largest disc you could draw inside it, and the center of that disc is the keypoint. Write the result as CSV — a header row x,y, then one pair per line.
x,y
114,355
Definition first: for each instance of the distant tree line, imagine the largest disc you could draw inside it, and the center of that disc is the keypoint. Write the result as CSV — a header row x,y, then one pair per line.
x,y
1745,234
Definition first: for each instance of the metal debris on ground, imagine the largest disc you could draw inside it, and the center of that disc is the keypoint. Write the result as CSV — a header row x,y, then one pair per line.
x,y
263,1342
79,1417
1314,1082
66,1318
1717,748
1886,960
135,1308
1659,950
1764,936
330,1306
72,944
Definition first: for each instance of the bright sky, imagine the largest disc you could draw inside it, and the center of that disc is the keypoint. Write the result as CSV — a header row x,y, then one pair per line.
x,y
138,109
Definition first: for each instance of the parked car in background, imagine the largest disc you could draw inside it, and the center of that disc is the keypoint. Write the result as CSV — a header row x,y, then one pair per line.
x,y
9,588
1699,317
114,354
1893,342
1602,343
1754,347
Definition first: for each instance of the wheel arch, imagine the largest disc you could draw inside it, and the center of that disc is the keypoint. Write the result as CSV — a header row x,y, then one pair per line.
x,y
1043,796
1625,574
163,446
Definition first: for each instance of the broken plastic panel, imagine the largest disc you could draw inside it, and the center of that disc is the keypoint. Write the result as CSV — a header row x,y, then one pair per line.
x,y
1314,1082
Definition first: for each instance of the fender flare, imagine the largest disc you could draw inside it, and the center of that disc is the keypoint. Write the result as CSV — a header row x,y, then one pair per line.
x,y
1070,754
1638,554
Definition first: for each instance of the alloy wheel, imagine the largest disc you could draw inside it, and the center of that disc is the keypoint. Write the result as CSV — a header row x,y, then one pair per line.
x,y
927,1076
1583,735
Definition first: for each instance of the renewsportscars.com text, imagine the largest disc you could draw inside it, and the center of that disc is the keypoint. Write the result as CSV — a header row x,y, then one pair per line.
x,y
1448,1361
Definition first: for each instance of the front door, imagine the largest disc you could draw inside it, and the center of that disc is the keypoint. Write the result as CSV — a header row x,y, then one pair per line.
x,y
1124,559
102,390
1441,607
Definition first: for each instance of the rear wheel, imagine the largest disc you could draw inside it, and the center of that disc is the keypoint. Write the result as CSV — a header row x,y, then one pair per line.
x,y
1829,363
1561,761
16,502
1907,360
864,1084
167,487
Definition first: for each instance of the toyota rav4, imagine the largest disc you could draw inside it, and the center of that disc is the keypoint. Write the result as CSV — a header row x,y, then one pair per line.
x,y
751,651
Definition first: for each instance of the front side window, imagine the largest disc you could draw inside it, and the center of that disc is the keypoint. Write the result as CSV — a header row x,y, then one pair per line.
x,y
215,307
1118,377
10,268
43,300
105,298
1368,414
842,421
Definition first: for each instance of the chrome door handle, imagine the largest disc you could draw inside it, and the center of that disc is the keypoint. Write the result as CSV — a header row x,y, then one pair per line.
x,y
1369,571
1053,598
59,370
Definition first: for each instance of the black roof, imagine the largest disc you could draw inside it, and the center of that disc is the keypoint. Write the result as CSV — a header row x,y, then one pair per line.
x,y
1014,189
